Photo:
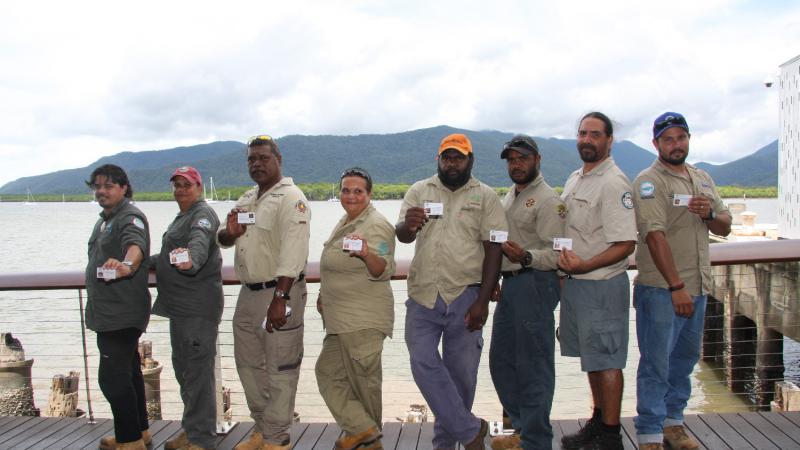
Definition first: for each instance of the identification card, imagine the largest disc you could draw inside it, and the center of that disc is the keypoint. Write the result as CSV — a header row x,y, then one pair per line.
x,y
562,244
179,257
433,209
681,200
288,314
498,236
246,218
106,274
352,245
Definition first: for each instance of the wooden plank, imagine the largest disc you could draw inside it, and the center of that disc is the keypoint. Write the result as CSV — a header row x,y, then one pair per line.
x,y
310,437
391,433
236,434
770,431
728,435
782,423
793,416
159,431
328,438
45,433
73,424
748,431
38,430
409,436
13,423
704,435
425,441
628,432
18,430
88,433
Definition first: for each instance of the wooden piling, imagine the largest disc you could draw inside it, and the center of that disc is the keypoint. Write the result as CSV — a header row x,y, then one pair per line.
x,y
151,370
63,400
16,391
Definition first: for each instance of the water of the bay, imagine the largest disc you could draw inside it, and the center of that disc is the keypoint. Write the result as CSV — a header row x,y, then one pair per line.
x,y
48,237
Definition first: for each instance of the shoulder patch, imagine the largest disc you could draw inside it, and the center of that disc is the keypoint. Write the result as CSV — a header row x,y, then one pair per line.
x,y
301,207
647,189
529,202
627,200
561,209
138,223
204,223
382,249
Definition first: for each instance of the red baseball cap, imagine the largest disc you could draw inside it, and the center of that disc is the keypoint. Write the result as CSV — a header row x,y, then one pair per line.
x,y
188,172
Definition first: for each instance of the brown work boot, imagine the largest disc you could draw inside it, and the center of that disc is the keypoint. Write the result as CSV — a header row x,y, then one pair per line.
x,y
190,446
651,446
110,442
180,440
506,442
352,441
677,438
135,445
377,445
268,446
477,442
254,442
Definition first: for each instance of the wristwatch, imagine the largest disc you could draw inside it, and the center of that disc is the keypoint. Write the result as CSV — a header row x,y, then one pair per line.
x,y
281,294
127,263
527,259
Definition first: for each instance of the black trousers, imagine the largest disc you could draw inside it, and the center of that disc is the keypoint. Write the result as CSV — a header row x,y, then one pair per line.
x,y
120,379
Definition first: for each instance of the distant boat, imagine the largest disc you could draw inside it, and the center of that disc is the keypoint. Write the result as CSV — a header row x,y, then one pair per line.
x,y
212,191
229,200
30,200
333,198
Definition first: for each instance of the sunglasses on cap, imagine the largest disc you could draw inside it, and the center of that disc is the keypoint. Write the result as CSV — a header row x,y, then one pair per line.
x,y
356,171
258,139
669,121
517,143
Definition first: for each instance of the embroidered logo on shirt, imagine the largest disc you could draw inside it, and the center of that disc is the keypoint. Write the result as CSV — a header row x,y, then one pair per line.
x,y
300,206
383,248
627,200
561,209
647,189
138,222
529,202
205,223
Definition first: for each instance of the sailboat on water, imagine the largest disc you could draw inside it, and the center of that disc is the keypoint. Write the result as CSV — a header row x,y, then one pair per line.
x,y
333,198
30,200
211,191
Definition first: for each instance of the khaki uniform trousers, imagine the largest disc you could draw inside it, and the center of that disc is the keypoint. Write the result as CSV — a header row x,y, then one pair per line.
x,y
349,377
269,363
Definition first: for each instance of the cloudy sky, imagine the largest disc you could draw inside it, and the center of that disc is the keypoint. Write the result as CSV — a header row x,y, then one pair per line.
x,y
81,80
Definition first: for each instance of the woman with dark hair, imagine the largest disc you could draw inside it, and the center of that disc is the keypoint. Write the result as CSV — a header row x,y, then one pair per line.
x,y
357,308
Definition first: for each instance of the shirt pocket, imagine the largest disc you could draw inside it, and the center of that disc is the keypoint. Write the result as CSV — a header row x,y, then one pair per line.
x,y
583,215
469,216
266,216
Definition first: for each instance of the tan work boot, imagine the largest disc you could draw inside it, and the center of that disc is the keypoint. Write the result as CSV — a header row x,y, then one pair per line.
x,y
190,446
110,442
352,441
477,442
506,442
677,438
180,440
135,445
651,446
254,442
268,446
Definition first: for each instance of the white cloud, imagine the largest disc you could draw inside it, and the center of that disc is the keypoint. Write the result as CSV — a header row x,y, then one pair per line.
x,y
89,79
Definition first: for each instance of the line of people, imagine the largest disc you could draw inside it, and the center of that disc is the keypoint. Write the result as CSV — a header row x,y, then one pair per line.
x,y
547,248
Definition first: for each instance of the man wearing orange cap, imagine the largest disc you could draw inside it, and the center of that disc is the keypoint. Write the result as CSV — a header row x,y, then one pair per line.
x,y
451,216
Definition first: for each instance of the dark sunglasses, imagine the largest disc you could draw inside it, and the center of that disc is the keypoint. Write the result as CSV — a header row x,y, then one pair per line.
x,y
356,171
258,139
519,143
671,120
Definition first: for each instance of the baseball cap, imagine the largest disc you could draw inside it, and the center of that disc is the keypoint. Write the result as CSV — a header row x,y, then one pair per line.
x,y
188,172
456,142
668,120
521,143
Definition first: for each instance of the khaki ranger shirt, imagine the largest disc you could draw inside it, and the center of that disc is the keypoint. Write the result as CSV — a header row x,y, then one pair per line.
x,y
352,299
277,244
600,213
535,216
686,233
448,254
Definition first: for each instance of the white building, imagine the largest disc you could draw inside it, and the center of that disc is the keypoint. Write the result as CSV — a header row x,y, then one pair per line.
x,y
789,150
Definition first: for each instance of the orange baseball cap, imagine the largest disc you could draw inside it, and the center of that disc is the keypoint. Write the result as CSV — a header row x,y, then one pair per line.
x,y
456,142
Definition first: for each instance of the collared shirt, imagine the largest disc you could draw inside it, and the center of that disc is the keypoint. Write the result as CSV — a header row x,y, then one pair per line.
x,y
277,244
535,217
196,292
352,299
686,233
124,302
600,213
448,255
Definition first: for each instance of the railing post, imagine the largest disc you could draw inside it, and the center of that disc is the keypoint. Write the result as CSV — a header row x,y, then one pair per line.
x,y
224,423
86,362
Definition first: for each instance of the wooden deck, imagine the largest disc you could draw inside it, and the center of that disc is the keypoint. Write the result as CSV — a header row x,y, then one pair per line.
x,y
752,430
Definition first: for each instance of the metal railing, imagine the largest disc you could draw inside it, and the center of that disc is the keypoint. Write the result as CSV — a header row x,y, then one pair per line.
x,y
52,332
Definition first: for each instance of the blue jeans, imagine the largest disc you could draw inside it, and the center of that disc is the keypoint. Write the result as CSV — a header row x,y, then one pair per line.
x,y
446,381
669,347
521,357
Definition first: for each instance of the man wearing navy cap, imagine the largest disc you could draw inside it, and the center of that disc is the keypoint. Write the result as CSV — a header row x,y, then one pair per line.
x,y
676,206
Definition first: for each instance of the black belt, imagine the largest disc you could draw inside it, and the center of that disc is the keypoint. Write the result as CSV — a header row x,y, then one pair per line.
x,y
474,285
513,273
268,284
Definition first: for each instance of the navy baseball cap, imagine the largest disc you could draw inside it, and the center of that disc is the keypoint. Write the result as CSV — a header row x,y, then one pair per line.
x,y
668,120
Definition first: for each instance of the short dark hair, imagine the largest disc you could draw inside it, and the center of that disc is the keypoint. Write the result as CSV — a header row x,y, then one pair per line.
x,y
357,172
264,140
600,116
115,174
